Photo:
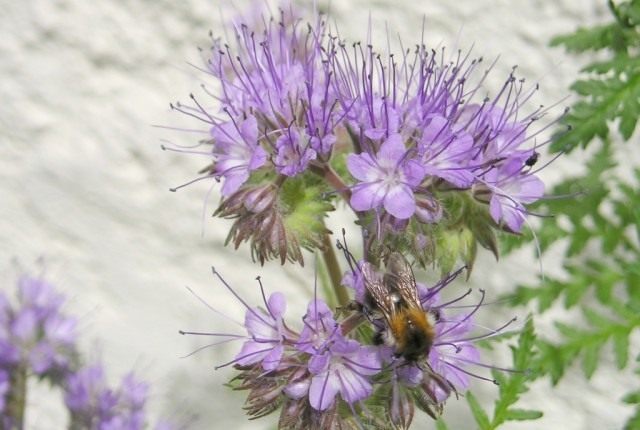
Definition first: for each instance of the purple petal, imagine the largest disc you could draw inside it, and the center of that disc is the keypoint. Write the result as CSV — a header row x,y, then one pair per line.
x,y
24,325
392,150
367,196
319,363
495,208
367,361
362,167
272,360
258,158
41,357
252,352
277,304
260,325
233,181
297,390
249,130
323,390
400,202
414,173
353,387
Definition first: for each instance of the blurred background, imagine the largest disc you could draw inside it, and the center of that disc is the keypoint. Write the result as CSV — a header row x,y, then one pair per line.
x,y
85,186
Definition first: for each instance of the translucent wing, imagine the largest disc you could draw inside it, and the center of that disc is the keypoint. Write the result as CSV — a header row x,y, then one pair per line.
x,y
399,278
379,291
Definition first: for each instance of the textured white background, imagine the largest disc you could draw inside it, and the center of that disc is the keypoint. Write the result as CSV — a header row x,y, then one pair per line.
x,y
85,185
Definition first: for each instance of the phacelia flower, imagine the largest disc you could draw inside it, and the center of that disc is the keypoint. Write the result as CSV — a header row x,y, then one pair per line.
x,y
445,142
511,188
95,406
267,333
312,373
35,334
338,365
238,152
386,179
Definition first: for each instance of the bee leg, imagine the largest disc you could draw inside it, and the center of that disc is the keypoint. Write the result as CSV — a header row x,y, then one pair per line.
x,y
352,306
378,337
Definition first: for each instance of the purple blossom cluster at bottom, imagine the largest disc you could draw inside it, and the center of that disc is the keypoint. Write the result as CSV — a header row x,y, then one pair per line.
x,y
93,405
37,339
324,374
36,334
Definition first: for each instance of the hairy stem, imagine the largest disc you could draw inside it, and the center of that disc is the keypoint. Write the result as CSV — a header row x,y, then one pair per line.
x,y
335,274
333,179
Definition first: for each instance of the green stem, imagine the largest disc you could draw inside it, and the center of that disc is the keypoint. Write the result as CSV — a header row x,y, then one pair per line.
x,y
335,274
17,398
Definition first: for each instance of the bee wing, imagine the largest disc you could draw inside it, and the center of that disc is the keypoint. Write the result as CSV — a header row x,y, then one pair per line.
x,y
400,278
378,290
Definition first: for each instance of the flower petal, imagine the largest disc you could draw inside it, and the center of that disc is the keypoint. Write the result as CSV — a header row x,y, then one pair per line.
x,y
400,202
323,390
367,196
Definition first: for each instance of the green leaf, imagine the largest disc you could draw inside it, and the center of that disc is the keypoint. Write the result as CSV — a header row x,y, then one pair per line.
x,y
590,359
632,398
441,425
512,385
587,39
621,349
522,415
481,417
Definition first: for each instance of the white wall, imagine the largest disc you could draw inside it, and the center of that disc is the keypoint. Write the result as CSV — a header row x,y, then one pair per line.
x,y
85,185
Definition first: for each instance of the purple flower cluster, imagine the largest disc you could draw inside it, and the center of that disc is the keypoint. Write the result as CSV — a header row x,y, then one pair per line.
x,y
404,141
309,373
36,335
93,405
276,104
38,339
420,133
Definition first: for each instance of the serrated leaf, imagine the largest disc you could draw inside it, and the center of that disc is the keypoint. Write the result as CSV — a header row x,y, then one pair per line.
x,y
621,349
589,116
632,398
586,39
633,423
590,359
523,415
481,417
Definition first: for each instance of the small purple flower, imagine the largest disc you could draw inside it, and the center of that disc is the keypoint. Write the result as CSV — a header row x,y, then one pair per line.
x,y
386,179
512,188
237,151
338,365
39,295
37,334
93,405
446,154
294,152
450,354
267,333
344,368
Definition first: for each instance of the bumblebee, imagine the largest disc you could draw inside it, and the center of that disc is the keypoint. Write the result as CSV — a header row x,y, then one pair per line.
x,y
394,306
